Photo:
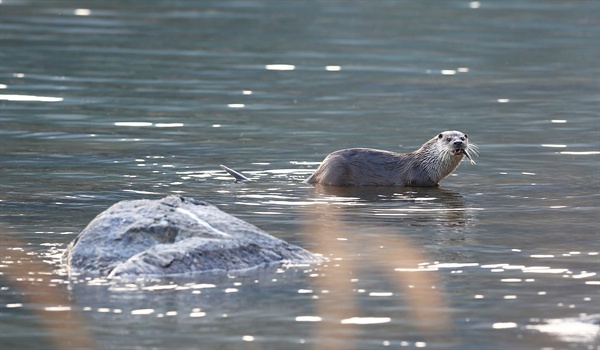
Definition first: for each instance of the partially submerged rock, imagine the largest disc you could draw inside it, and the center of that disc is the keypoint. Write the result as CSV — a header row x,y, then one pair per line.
x,y
174,235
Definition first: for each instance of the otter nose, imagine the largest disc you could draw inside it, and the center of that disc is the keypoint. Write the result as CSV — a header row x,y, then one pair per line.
x,y
458,143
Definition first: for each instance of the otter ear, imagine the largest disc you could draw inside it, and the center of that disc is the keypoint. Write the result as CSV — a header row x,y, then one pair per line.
x,y
440,136
466,136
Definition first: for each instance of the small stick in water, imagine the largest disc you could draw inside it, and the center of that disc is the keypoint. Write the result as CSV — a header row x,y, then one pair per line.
x,y
235,174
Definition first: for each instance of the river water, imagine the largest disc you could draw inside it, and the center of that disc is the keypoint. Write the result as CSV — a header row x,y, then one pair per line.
x,y
103,101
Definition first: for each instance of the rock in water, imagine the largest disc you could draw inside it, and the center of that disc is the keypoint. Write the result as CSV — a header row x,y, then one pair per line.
x,y
174,235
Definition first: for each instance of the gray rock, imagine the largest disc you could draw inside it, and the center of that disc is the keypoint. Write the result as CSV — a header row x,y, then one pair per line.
x,y
174,235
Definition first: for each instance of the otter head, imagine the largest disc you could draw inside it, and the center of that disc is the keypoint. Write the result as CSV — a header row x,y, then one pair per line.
x,y
456,143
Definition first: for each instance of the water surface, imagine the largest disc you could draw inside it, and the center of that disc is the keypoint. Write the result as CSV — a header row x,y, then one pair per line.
x,y
131,99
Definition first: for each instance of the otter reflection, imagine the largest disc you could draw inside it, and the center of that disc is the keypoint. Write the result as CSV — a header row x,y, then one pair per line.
x,y
413,206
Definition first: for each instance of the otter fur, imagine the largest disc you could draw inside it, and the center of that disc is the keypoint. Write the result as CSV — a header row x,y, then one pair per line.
x,y
425,167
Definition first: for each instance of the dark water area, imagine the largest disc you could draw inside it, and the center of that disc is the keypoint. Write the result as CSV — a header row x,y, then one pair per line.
x,y
102,101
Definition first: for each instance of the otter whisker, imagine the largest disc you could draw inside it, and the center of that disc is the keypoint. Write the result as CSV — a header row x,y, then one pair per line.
x,y
474,149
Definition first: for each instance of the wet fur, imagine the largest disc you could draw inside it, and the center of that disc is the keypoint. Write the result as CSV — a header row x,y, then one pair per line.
x,y
425,167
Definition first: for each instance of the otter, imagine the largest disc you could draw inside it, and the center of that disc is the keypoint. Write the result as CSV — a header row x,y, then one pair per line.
x,y
425,167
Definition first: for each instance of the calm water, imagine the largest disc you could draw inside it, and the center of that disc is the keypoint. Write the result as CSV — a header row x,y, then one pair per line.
x,y
119,100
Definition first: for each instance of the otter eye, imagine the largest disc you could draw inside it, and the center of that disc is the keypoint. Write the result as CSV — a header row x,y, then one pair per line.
x,y
448,139
463,138
440,136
